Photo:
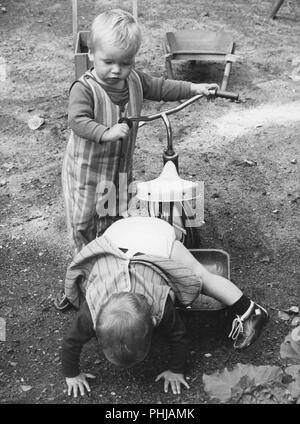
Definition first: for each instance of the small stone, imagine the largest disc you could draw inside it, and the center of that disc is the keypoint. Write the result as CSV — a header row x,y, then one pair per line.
x,y
207,355
275,211
294,161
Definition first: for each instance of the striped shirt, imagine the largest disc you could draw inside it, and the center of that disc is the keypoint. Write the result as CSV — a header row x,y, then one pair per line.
x,y
101,269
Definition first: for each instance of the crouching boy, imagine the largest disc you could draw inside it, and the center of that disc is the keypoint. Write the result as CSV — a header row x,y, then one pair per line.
x,y
125,283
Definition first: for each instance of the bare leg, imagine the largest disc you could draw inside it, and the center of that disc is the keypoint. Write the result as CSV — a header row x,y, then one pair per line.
x,y
215,286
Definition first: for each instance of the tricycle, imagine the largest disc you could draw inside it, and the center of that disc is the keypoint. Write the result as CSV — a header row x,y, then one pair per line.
x,y
181,202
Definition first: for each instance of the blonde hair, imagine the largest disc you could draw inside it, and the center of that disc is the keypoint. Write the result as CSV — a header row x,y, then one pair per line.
x,y
124,328
117,28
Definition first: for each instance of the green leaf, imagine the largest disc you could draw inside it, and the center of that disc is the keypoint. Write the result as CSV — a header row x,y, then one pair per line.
x,y
290,349
228,385
294,386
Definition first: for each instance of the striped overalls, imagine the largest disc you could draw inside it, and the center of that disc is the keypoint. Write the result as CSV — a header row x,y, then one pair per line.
x,y
96,176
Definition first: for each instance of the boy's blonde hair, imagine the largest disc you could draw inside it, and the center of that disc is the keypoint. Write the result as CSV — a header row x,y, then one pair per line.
x,y
124,328
117,28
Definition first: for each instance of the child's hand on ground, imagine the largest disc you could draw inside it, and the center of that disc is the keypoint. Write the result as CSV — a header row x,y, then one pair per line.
x,y
78,383
116,132
174,380
206,89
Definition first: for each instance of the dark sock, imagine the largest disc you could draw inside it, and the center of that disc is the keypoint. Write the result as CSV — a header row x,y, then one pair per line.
x,y
240,306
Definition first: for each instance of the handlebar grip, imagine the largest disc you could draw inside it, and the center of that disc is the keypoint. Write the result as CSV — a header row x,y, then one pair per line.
x,y
126,121
226,95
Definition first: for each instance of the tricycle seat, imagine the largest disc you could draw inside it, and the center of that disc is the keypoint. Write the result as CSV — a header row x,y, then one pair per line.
x,y
168,187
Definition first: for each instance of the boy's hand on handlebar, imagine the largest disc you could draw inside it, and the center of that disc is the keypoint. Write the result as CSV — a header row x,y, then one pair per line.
x,y
116,132
174,380
205,89
78,384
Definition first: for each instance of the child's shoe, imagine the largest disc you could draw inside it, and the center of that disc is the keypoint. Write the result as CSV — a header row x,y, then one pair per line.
x,y
61,302
247,328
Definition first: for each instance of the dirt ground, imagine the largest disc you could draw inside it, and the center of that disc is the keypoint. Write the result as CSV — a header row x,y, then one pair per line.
x,y
247,154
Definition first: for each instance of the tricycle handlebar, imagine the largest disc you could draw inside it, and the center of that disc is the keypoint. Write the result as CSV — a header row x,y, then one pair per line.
x,y
215,93
169,153
227,95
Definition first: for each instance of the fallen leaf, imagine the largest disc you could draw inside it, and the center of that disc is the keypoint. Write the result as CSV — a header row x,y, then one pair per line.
x,y
35,122
295,77
26,388
265,259
290,349
293,370
2,330
249,162
294,386
8,166
295,335
34,216
283,316
295,321
245,162
292,310
228,384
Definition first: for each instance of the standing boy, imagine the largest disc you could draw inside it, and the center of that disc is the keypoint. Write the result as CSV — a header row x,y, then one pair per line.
x,y
99,153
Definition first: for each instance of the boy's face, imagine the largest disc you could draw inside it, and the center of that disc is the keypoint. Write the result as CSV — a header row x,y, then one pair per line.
x,y
113,65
